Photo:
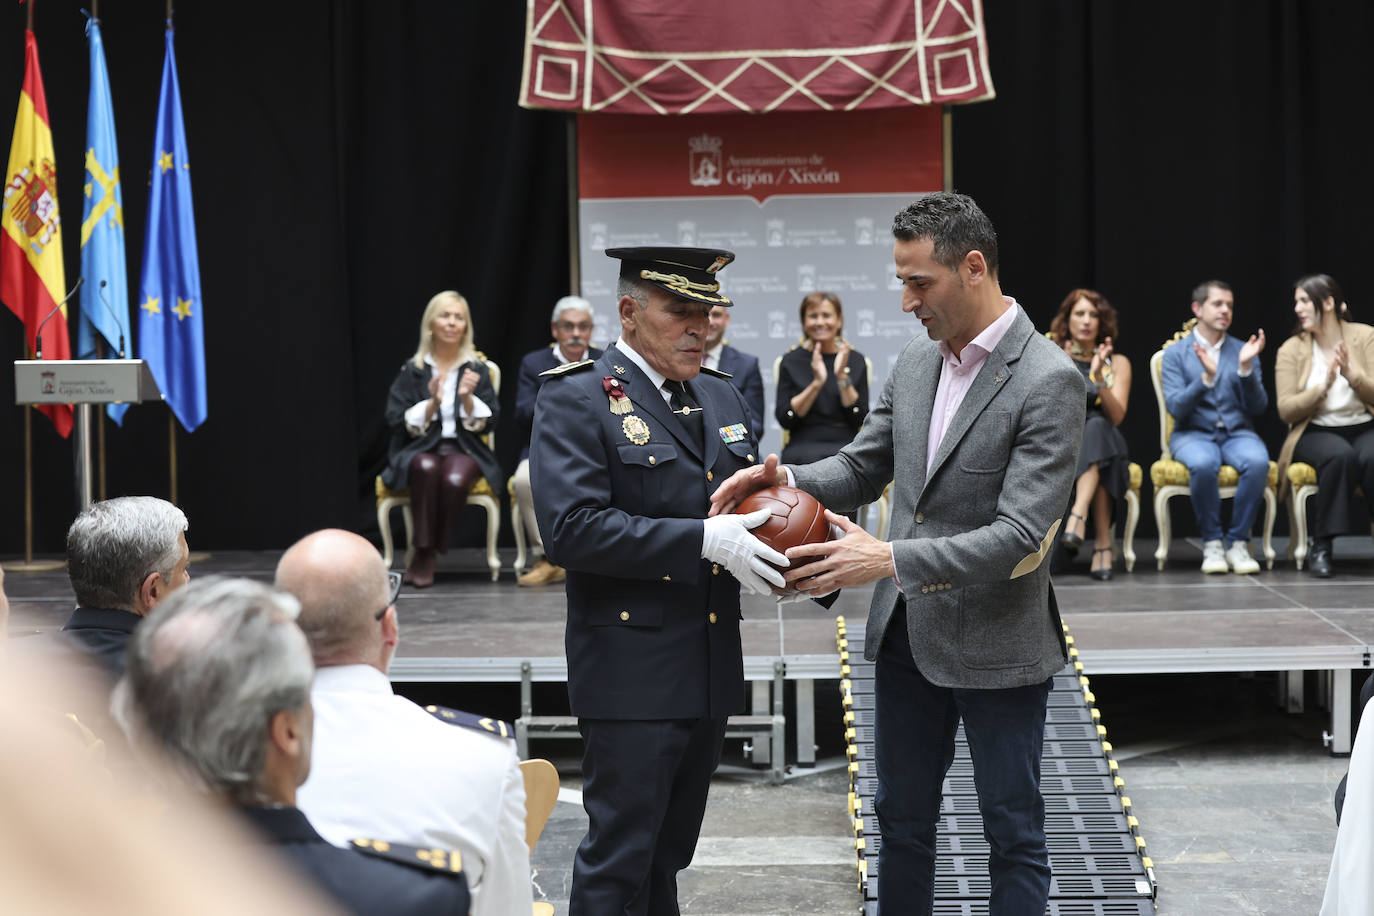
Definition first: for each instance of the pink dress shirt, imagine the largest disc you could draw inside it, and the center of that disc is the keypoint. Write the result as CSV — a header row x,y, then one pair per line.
x,y
958,373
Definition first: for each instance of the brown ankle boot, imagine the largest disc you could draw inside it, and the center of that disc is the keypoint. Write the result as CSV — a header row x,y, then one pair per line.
x,y
420,572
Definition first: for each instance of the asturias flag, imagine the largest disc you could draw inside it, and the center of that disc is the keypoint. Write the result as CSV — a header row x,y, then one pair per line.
x,y
105,297
31,277
170,313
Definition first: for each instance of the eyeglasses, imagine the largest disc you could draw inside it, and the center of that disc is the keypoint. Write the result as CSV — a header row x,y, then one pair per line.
x,y
582,326
393,582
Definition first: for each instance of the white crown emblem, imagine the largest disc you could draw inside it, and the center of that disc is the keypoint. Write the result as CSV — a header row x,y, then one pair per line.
x,y
704,144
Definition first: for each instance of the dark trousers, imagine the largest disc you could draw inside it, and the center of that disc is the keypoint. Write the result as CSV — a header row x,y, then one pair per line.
x,y
1005,729
439,484
644,788
1344,459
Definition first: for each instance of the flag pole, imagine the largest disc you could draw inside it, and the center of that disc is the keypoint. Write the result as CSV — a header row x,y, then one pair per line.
x,y
172,452
100,423
29,24
28,483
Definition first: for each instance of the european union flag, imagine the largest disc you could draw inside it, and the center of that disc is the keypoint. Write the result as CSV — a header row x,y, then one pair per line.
x,y
170,312
105,297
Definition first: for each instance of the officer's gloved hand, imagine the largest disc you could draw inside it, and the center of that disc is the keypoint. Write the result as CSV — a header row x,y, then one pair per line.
x,y
726,540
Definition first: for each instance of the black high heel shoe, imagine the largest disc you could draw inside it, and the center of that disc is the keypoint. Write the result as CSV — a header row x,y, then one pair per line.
x,y
1105,573
1068,538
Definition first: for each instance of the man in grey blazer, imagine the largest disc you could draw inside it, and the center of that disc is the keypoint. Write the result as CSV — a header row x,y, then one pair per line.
x,y
977,428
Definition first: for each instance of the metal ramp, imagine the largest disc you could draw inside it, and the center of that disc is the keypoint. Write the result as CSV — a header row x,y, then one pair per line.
x,y
1097,854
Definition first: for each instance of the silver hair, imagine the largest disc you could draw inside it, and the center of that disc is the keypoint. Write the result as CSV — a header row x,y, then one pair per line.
x,y
572,304
115,544
205,674
637,290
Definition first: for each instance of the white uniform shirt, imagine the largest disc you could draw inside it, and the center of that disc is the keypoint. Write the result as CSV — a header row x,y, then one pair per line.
x,y
384,768
1350,883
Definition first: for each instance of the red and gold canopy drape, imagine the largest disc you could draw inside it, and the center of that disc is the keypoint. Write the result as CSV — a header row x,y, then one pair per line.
x,y
718,56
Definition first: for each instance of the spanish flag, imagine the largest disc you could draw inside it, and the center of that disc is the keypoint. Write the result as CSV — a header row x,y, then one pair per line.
x,y
31,276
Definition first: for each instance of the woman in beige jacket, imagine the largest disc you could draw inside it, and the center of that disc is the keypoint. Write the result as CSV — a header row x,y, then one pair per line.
x,y
1325,382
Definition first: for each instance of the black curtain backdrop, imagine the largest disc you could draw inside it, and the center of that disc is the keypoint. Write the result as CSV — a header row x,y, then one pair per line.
x,y
348,161
351,159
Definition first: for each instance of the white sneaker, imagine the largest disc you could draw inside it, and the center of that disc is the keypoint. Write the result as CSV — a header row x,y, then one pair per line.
x,y
1239,559
1214,557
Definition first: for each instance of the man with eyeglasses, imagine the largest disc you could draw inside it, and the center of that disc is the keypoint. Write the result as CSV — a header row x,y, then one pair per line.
x,y
571,325
384,766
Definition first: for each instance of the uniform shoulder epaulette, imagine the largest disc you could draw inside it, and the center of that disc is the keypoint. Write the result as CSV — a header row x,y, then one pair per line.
x,y
716,372
448,861
494,727
566,368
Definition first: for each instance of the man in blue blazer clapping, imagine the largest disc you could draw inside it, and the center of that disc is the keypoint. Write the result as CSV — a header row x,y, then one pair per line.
x,y
1213,390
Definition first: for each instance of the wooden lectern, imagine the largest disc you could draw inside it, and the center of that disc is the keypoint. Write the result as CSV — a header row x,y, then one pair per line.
x,y
81,383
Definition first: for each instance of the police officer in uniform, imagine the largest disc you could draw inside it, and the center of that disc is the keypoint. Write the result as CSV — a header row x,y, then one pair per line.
x,y
218,679
626,452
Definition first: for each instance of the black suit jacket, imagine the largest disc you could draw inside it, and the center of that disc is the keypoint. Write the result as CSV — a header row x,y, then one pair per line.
x,y
410,387
103,635
527,388
357,881
653,630
745,375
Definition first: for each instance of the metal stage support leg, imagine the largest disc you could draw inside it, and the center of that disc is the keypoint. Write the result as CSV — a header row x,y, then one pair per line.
x,y
1339,736
1290,691
806,722
760,704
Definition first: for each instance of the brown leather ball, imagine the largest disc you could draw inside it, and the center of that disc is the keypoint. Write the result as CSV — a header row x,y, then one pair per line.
x,y
797,517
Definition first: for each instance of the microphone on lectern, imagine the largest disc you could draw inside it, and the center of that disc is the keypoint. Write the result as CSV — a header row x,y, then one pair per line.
x,y
38,335
118,323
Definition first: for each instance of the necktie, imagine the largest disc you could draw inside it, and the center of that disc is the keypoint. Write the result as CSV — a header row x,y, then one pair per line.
x,y
685,407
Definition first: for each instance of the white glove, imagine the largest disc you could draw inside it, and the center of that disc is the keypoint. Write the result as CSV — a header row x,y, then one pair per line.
x,y
726,540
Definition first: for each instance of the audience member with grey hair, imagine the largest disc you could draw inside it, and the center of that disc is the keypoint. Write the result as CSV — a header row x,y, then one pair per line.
x,y
366,735
571,326
124,555
217,681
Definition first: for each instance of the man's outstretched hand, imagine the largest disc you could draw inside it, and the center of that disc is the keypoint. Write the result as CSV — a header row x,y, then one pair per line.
x,y
854,559
744,482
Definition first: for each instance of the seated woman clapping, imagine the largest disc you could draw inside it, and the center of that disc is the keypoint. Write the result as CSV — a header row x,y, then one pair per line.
x,y
439,405
1085,327
1324,378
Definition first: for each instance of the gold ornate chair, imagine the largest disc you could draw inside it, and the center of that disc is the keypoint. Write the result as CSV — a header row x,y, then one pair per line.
x,y
1302,478
1170,477
480,495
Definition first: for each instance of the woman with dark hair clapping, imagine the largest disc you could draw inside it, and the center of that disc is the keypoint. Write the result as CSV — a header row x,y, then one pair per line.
x,y
1086,327
822,385
1324,378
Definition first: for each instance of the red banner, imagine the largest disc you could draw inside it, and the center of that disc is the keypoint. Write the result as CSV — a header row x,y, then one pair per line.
x,y
783,154
715,56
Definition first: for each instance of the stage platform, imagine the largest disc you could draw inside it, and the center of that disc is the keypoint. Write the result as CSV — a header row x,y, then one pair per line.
x,y
467,629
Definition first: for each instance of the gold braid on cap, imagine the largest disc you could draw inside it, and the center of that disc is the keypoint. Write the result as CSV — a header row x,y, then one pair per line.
x,y
678,282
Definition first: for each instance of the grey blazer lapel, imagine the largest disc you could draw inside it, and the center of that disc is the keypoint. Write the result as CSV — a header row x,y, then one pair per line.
x,y
994,374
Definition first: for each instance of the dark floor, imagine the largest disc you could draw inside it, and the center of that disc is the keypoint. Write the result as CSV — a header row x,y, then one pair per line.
x,y
1233,793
